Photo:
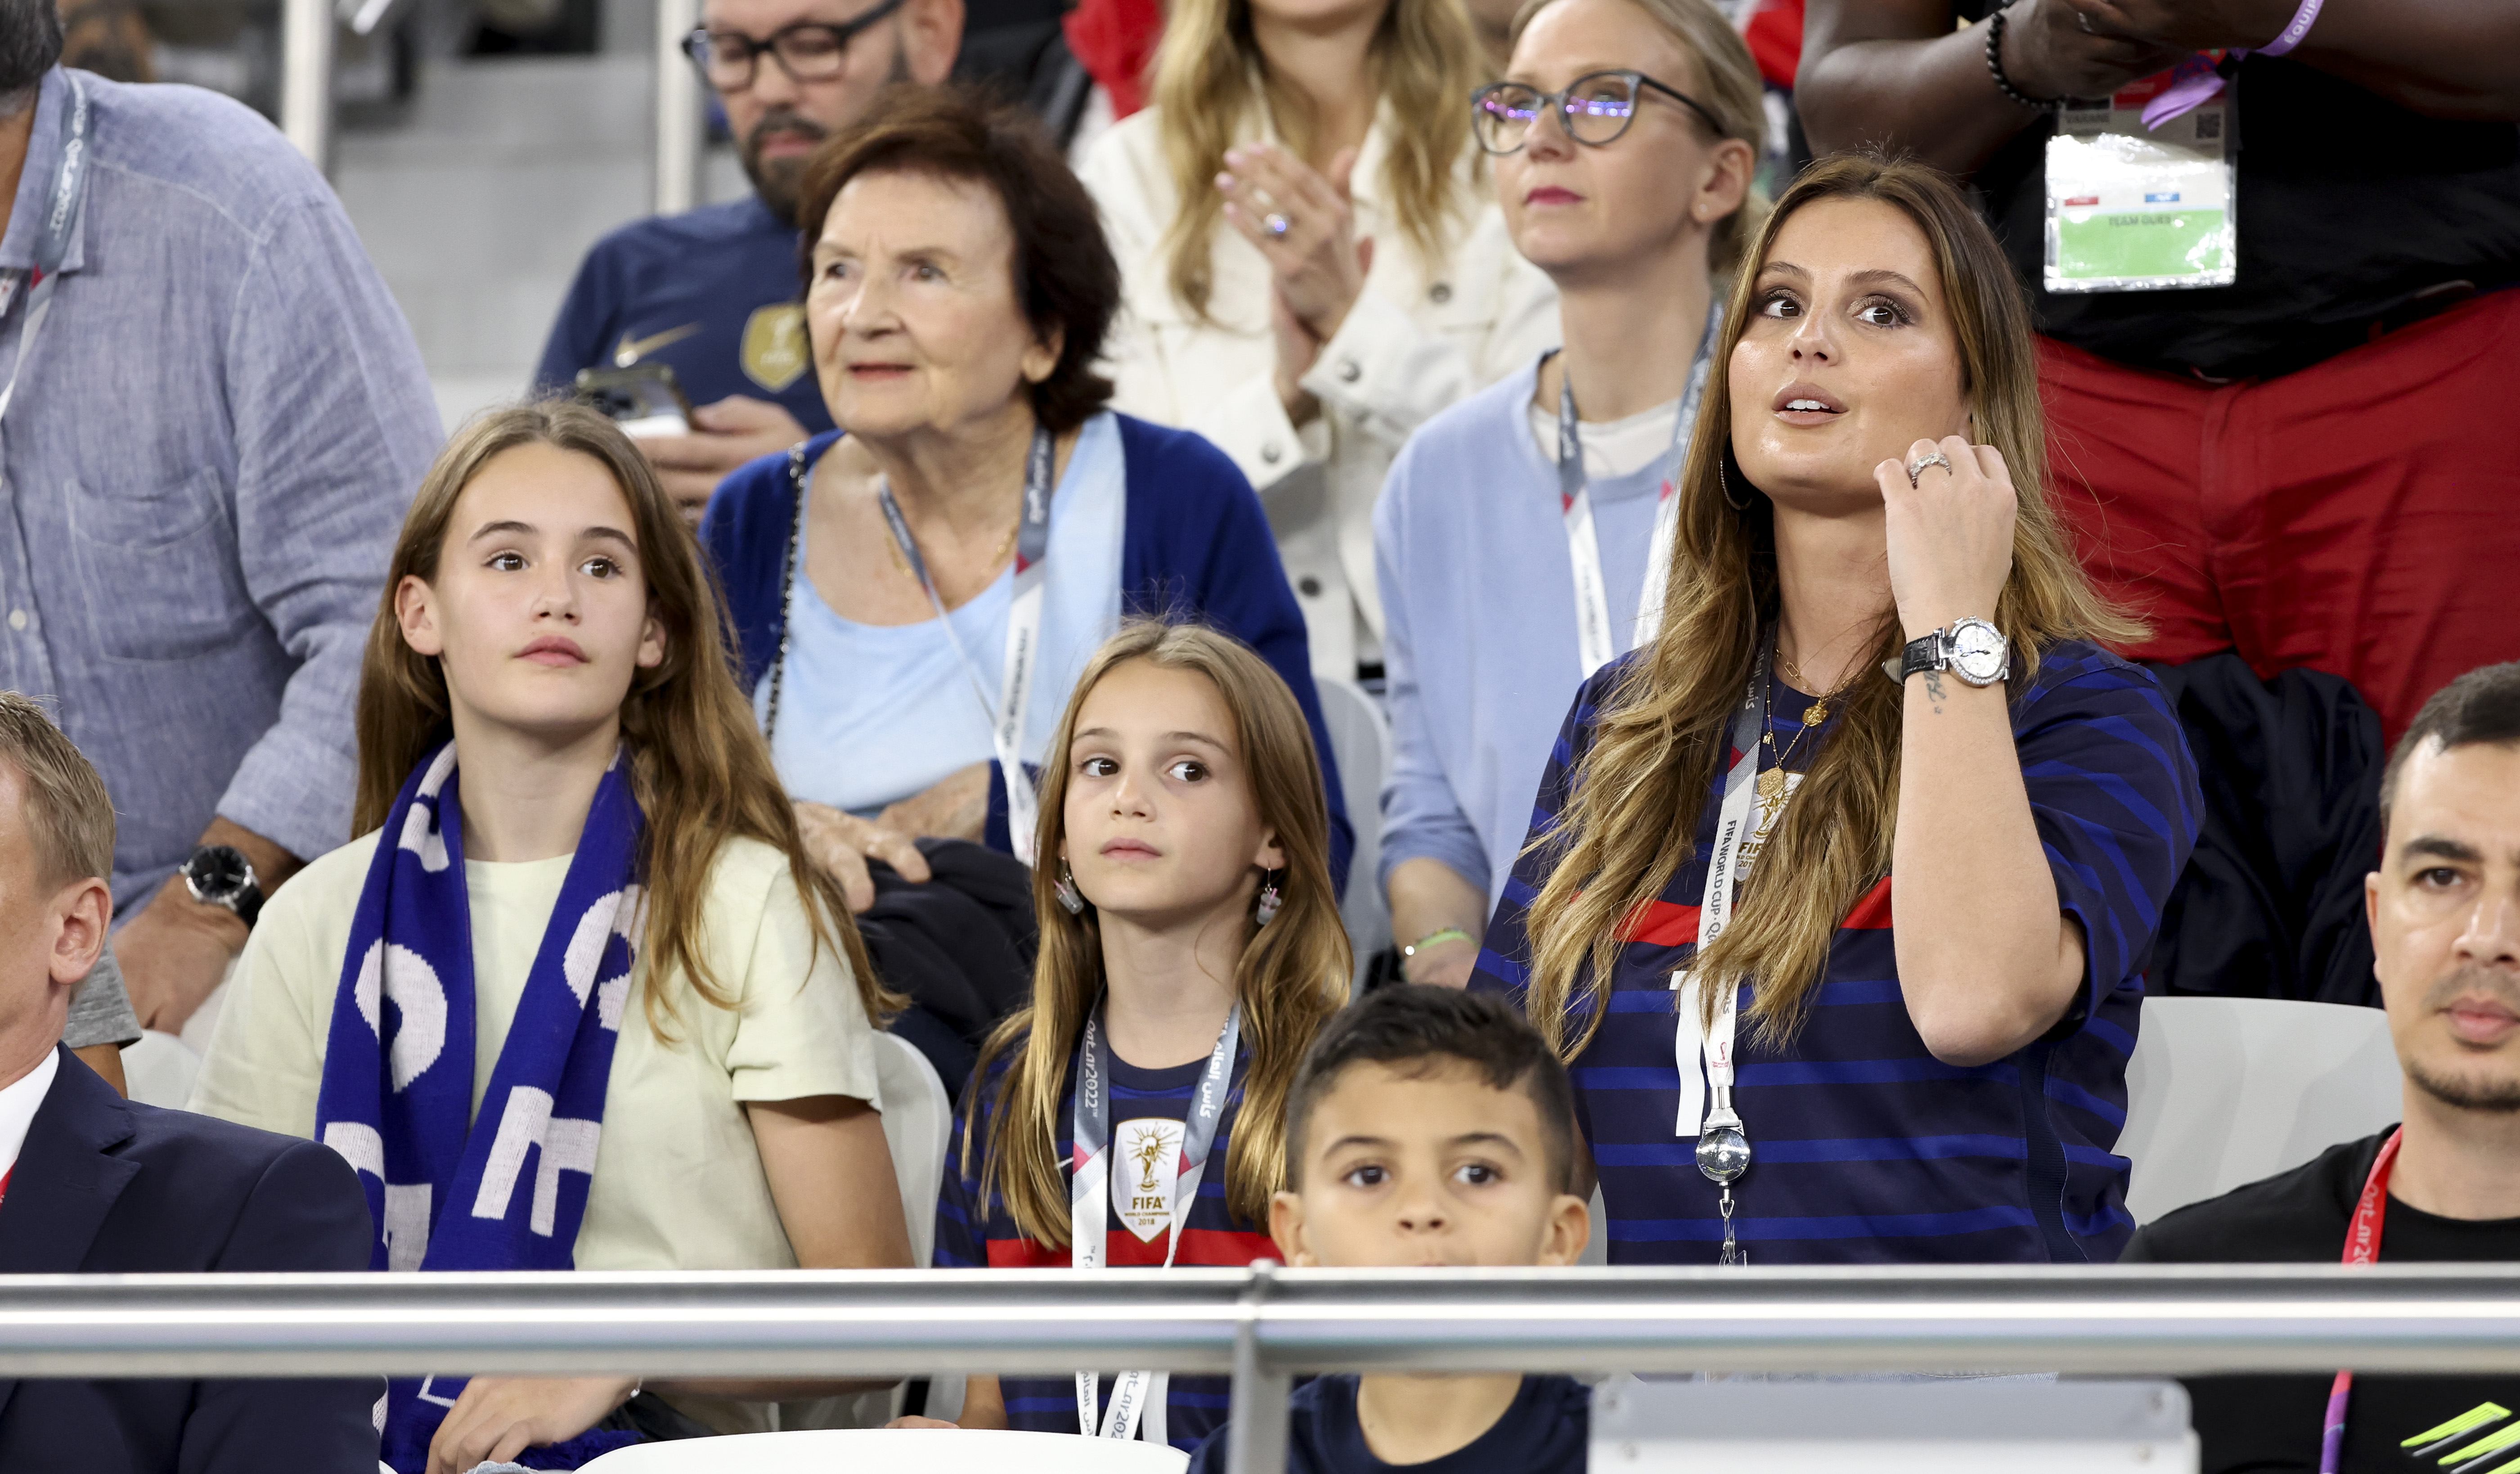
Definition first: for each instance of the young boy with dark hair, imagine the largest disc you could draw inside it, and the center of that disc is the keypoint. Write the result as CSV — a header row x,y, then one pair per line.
x,y
1428,1126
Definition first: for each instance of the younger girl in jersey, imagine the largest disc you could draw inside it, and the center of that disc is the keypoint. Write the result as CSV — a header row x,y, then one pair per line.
x,y
1191,947
631,1024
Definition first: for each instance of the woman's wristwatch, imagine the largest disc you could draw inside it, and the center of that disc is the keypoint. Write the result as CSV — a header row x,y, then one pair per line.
x,y
1972,649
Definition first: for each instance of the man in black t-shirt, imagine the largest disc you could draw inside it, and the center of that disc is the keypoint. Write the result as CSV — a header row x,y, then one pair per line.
x,y
2444,909
2308,466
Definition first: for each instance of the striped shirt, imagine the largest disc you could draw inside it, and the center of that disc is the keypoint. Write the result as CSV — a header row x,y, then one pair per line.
x,y
970,1235
1867,1150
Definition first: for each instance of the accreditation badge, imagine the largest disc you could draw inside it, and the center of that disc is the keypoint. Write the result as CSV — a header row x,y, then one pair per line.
x,y
1145,1163
773,351
2137,207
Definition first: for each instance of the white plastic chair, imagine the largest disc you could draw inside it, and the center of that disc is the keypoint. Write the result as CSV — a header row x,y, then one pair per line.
x,y
894,1450
1361,745
160,1070
2223,1091
918,1126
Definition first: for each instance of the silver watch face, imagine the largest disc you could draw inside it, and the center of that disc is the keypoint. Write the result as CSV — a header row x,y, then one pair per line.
x,y
1978,651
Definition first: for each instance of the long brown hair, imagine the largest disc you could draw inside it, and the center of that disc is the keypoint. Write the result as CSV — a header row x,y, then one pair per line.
x,y
1293,975
1209,76
1638,793
699,768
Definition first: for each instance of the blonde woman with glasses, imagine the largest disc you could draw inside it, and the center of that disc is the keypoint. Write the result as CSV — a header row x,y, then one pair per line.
x,y
1514,537
1312,266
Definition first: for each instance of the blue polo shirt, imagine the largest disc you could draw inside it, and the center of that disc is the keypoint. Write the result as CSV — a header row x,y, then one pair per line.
x,y
1867,1150
972,1234
712,293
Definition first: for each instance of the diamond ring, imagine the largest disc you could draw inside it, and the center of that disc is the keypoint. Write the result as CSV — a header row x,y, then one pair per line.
x,y
1917,468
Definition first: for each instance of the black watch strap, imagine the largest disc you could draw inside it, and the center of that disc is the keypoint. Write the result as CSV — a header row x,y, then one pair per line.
x,y
1924,653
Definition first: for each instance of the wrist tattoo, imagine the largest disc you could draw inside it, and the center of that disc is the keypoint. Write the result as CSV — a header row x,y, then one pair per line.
x,y
1934,690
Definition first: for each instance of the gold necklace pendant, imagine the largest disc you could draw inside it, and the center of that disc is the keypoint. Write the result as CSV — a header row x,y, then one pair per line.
x,y
1815,713
1772,783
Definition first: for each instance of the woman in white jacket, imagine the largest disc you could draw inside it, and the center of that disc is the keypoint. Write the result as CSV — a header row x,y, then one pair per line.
x,y
1313,264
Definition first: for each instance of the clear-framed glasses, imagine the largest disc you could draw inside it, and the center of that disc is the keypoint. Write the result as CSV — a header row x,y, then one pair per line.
x,y
1595,110
807,51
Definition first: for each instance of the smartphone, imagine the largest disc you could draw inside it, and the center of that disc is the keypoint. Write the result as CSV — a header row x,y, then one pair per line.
x,y
643,399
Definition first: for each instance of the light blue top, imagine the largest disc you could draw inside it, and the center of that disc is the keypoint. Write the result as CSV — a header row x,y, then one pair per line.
x,y
1479,642
873,714
208,458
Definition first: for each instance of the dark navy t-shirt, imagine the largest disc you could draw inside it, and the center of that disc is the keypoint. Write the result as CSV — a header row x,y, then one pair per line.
x,y
1542,1432
971,1234
1865,1148
712,293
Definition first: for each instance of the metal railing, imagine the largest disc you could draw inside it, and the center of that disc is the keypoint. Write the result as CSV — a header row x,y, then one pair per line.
x,y
306,45
1264,1325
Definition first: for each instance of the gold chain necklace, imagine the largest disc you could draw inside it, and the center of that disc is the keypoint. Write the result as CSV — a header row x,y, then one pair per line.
x,y
1772,783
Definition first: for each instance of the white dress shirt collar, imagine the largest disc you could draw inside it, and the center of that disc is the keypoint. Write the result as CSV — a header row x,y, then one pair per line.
x,y
18,1104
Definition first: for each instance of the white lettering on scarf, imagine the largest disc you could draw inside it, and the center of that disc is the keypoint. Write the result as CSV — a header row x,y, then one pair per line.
x,y
566,1146
403,975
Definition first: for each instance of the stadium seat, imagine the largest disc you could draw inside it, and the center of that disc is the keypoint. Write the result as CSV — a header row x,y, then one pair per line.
x,y
1361,745
158,1069
894,1450
918,1123
2223,1092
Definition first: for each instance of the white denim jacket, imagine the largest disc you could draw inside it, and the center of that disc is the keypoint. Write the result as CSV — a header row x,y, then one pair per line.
x,y
1420,338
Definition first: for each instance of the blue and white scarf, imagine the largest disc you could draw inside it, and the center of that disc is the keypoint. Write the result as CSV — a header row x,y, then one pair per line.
x,y
397,1099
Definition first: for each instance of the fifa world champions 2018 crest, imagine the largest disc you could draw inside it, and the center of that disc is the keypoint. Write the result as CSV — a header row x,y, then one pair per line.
x,y
1153,1149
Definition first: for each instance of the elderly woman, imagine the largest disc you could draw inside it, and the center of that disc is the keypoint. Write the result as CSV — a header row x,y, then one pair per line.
x,y
915,594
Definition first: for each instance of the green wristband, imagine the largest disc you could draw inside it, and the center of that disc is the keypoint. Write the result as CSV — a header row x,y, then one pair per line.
x,y
1448,934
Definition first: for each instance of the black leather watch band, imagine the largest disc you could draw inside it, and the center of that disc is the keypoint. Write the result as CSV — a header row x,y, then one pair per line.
x,y
1925,652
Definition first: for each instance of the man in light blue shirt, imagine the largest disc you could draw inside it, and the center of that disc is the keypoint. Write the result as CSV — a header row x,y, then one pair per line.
x,y
203,461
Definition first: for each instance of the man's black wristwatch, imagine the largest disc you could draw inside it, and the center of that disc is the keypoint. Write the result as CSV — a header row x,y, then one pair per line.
x,y
220,875
1972,649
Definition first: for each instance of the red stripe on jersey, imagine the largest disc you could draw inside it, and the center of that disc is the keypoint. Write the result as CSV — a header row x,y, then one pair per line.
x,y
1660,923
1213,1248
1872,913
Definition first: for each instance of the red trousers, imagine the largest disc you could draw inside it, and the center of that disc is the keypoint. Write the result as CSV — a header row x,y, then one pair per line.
x,y
2360,517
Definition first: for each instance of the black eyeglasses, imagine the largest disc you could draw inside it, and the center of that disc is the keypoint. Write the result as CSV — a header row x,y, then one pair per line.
x,y
808,51
1595,110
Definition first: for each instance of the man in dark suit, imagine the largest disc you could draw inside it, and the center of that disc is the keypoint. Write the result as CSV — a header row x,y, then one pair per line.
x,y
91,1184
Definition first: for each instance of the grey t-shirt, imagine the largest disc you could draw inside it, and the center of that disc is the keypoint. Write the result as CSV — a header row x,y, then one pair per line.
x,y
101,1010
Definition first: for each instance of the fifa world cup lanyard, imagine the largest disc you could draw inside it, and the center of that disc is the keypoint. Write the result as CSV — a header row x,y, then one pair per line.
x,y
1023,635
1594,645
1706,1104
1135,1395
2362,1246
60,217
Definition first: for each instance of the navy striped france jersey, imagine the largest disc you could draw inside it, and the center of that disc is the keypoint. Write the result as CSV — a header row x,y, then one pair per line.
x,y
972,1237
1867,1150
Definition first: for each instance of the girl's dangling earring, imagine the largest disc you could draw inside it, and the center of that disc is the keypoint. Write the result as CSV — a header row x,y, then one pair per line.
x,y
1064,888
1270,901
1724,481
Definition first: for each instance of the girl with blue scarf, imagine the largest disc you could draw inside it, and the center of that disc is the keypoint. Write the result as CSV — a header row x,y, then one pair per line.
x,y
577,997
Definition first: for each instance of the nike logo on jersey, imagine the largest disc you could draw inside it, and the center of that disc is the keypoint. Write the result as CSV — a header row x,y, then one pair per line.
x,y
632,349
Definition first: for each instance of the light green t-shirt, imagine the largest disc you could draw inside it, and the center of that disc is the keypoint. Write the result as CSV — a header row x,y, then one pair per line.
x,y
678,1183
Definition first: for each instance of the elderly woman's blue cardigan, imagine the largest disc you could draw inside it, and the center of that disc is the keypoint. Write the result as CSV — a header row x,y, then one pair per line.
x,y
1194,545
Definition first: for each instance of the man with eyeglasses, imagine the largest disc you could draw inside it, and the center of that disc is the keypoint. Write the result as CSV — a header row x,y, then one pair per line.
x,y
712,293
